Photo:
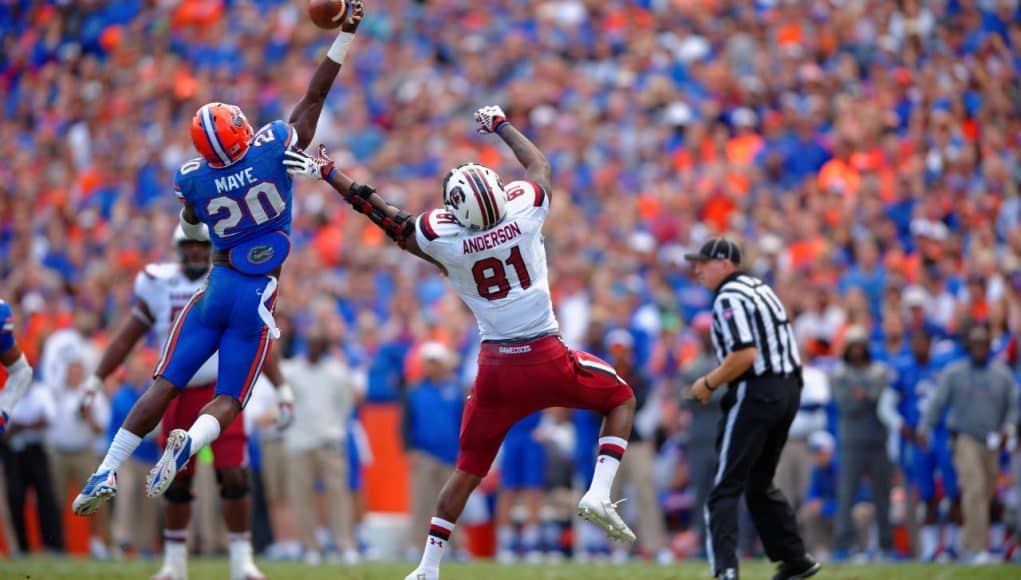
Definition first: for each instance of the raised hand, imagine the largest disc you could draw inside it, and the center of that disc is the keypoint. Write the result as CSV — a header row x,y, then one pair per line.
x,y
489,119
354,16
300,163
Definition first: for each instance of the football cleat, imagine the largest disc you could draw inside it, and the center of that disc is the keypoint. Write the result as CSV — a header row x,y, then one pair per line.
x,y
174,458
603,513
421,574
100,487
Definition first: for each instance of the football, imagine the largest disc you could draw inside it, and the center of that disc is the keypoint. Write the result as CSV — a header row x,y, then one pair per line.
x,y
327,14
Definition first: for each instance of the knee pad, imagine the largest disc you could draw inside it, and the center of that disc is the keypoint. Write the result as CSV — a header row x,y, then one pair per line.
x,y
233,483
179,493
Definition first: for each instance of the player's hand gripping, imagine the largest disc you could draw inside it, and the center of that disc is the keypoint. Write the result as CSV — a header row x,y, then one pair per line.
x,y
354,17
490,119
300,163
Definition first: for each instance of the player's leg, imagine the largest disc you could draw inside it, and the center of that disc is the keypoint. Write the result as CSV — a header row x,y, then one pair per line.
x,y
243,348
594,384
533,495
191,342
924,474
511,470
482,431
229,452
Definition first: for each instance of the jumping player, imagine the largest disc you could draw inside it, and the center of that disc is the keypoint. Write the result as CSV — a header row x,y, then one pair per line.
x,y
240,191
161,292
488,241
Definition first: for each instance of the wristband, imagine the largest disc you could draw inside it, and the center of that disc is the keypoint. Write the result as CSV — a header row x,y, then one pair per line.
x,y
501,126
338,50
705,379
329,174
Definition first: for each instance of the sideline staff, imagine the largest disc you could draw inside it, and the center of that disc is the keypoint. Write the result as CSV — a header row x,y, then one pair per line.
x,y
758,360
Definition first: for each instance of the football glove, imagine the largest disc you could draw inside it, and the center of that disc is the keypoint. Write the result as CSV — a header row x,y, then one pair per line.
x,y
285,406
300,163
490,119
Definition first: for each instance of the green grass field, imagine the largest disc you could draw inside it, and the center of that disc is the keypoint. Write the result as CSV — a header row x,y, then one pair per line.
x,y
39,568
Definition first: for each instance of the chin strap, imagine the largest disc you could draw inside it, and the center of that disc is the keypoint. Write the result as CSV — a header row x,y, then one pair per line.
x,y
399,228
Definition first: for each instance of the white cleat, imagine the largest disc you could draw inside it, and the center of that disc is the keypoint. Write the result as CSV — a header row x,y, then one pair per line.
x,y
421,574
603,513
168,572
100,487
174,458
248,571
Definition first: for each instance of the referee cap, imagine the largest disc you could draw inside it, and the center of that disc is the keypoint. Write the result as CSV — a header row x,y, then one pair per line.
x,y
717,249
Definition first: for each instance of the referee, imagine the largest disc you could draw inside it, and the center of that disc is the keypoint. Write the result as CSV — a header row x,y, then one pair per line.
x,y
759,364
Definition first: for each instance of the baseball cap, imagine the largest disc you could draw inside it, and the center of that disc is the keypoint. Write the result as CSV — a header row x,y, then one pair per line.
x,y
717,249
619,338
435,351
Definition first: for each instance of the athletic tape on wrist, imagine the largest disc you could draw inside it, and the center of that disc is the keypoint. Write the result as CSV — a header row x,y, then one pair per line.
x,y
338,50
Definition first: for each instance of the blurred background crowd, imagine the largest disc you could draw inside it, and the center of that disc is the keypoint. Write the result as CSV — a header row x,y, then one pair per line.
x,y
865,152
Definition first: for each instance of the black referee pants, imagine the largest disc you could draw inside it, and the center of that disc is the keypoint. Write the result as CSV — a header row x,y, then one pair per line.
x,y
752,433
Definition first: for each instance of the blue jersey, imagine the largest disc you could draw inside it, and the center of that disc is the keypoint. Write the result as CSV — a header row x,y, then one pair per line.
x,y
6,327
915,383
246,200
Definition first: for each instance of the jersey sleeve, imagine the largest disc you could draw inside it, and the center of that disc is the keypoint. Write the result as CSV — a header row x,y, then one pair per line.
x,y
528,198
6,327
145,289
278,136
179,185
734,322
430,230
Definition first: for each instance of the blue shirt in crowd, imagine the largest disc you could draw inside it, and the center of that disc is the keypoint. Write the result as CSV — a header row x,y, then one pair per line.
x,y
432,419
123,400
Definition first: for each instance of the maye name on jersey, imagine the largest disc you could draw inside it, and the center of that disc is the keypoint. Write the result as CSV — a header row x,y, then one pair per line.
x,y
248,199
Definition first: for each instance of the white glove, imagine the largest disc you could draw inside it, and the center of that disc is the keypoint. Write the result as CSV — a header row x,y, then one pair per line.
x,y
285,406
490,119
300,163
92,387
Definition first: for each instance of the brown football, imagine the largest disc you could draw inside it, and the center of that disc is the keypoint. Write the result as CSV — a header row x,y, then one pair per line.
x,y
327,14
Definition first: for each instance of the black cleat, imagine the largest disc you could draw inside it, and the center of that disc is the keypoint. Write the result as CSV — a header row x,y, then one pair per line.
x,y
802,568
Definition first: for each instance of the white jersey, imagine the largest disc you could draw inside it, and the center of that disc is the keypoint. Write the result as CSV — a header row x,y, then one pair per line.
x,y
165,290
500,273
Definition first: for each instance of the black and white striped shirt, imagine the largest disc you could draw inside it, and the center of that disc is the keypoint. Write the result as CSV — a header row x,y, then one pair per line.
x,y
746,312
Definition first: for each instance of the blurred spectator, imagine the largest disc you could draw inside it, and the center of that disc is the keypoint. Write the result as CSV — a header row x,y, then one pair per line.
x,y
795,466
74,439
817,517
27,467
432,426
982,398
522,478
316,446
704,421
638,461
68,346
134,516
857,383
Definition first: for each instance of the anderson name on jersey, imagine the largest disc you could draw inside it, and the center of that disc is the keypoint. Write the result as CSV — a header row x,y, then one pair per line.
x,y
165,290
500,273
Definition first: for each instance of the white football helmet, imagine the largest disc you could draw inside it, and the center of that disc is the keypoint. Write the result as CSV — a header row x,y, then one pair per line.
x,y
180,236
474,194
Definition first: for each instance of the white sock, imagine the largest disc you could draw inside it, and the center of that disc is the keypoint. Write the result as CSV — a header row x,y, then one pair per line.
x,y
240,548
175,548
123,445
929,537
439,535
203,431
505,538
530,539
611,451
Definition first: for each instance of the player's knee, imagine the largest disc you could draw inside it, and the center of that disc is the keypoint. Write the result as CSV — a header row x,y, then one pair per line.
x,y
233,482
180,491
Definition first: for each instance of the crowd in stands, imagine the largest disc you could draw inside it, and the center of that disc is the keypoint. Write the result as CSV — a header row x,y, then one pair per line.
x,y
865,153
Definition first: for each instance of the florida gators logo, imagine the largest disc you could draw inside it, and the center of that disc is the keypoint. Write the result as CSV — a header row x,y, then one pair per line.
x,y
260,254
237,118
456,198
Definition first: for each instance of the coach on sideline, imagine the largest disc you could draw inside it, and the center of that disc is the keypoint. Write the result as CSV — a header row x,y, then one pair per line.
x,y
759,364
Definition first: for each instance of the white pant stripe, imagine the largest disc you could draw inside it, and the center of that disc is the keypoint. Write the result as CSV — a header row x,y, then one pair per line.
x,y
722,466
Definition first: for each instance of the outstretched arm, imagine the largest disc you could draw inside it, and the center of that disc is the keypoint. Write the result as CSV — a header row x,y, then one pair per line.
x,y
305,115
398,224
492,119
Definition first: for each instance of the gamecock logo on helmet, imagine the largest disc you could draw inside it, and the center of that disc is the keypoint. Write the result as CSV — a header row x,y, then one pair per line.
x,y
456,198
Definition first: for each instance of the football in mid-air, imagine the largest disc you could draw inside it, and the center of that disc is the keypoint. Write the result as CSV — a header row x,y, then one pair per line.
x,y
327,13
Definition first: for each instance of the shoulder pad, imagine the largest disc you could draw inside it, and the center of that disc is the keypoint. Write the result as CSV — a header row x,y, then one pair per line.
x,y
162,271
438,223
